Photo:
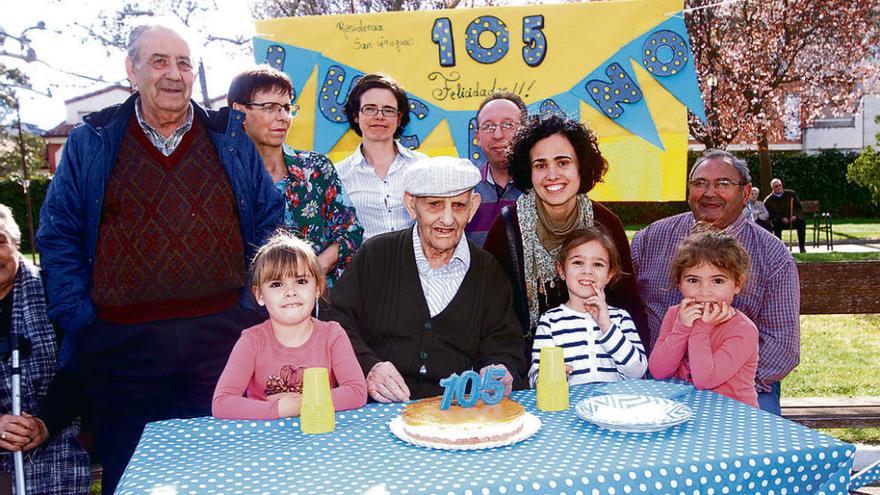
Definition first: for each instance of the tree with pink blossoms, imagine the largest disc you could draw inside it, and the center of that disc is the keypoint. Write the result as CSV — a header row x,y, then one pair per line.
x,y
751,54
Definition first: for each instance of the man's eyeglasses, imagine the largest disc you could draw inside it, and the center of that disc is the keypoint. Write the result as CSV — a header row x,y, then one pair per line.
x,y
271,107
489,127
373,110
721,185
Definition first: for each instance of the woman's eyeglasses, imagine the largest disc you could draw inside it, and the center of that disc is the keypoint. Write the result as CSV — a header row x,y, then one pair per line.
x,y
373,110
271,107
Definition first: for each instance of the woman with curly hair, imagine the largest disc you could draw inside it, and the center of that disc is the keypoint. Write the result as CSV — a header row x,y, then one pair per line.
x,y
556,161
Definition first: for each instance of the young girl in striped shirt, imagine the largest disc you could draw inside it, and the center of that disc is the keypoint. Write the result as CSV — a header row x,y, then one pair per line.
x,y
600,342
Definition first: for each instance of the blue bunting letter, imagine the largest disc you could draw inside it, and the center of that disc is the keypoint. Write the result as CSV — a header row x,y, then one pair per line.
x,y
609,96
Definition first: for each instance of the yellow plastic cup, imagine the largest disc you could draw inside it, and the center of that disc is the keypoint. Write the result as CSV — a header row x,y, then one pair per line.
x,y
552,381
317,414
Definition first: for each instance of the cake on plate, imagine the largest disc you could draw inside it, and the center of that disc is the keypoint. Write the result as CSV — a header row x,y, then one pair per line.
x,y
482,424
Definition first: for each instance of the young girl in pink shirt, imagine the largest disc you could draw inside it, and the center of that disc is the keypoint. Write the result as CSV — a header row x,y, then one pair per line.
x,y
263,377
704,339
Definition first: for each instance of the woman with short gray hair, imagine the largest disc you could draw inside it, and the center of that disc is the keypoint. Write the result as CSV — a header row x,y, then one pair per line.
x,y
45,431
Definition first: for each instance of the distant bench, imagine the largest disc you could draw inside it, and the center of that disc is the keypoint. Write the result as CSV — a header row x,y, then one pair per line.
x,y
851,287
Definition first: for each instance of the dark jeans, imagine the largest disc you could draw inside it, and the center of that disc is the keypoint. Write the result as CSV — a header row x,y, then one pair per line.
x,y
152,371
799,224
769,401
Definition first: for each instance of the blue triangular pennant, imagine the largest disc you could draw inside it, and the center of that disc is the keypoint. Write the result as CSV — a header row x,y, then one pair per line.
x,y
423,118
462,126
612,88
665,53
564,104
334,82
298,63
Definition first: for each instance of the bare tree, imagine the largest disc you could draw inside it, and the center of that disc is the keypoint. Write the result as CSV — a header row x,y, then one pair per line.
x,y
267,9
112,28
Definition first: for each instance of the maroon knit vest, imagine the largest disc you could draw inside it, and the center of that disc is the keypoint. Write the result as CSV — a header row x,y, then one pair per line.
x,y
169,244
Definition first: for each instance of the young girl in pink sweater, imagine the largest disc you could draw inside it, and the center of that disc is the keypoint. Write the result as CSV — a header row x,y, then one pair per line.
x,y
704,339
263,377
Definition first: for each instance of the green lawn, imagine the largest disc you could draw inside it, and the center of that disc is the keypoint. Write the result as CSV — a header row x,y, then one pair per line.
x,y
844,229
835,256
839,358
855,228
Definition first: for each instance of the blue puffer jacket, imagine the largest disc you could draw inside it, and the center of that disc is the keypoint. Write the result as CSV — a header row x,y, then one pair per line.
x,y
71,213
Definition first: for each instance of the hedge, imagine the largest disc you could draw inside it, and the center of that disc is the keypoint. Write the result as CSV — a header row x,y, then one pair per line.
x,y
819,177
12,195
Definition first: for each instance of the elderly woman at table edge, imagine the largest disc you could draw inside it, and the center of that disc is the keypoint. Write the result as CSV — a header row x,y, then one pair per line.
x,y
46,430
378,110
422,303
315,205
556,161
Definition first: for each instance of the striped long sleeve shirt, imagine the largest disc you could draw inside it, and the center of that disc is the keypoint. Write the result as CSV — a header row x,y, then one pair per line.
x,y
595,356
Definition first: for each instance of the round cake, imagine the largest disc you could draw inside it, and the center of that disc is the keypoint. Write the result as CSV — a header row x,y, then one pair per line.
x,y
425,421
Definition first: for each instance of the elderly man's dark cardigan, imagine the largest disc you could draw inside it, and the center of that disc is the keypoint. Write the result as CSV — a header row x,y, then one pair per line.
x,y
380,303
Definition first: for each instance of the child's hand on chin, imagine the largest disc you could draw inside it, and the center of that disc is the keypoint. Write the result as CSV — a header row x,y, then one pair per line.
x,y
289,403
596,306
717,313
690,310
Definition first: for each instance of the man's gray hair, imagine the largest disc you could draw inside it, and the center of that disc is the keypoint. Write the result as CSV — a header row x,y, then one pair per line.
x,y
134,37
134,41
11,227
745,177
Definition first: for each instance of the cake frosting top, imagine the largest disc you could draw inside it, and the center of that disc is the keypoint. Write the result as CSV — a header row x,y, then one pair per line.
x,y
427,412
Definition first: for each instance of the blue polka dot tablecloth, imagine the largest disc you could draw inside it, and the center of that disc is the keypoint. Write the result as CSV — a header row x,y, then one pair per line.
x,y
727,448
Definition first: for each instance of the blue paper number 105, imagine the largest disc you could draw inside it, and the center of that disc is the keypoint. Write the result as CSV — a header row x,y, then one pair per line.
x,y
534,42
489,388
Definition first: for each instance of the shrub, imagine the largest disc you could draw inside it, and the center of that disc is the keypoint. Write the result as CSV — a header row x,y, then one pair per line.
x,y
12,195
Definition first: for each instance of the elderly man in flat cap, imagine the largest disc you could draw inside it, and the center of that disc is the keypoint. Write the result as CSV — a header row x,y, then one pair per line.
x,y
422,303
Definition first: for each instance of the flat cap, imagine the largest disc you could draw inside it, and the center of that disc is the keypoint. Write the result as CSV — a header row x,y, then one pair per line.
x,y
441,176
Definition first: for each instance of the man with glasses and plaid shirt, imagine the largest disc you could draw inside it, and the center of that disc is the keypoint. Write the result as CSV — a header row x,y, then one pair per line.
x,y
498,118
718,187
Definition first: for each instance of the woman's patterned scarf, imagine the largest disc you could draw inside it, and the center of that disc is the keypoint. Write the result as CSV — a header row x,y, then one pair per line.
x,y
539,265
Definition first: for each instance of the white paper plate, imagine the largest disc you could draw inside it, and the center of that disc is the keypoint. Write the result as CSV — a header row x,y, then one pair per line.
x,y
633,413
531,425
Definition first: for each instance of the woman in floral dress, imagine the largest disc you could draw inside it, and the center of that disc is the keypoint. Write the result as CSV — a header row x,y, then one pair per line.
x,y
316,208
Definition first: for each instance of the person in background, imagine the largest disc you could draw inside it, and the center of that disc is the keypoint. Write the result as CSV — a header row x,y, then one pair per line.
x,y
498,118
786,212
316,207
378,110
145,235
756,212
47,429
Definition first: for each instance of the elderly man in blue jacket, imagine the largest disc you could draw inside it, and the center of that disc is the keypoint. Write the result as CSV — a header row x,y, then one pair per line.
x,y
145,237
